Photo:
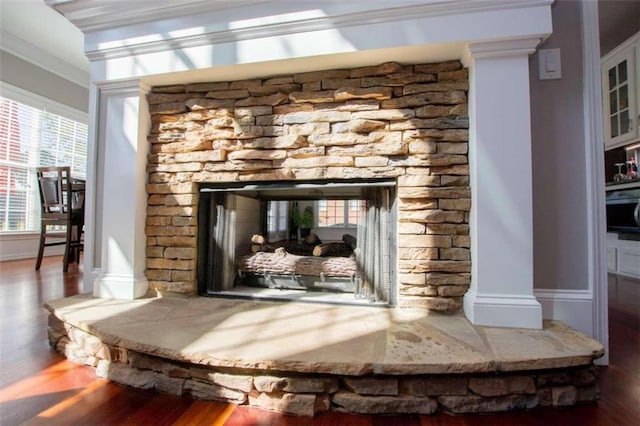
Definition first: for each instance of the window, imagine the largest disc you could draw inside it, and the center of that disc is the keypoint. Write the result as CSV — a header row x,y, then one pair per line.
x,y
339,213
31,137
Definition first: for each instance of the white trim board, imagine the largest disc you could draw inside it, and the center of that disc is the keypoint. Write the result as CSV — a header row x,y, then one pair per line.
x,y
573,307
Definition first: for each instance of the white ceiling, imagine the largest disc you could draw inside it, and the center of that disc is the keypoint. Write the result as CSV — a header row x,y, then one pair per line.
x,y
35,32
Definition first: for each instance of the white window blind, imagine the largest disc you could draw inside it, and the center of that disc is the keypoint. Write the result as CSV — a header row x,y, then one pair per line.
x,y
33,137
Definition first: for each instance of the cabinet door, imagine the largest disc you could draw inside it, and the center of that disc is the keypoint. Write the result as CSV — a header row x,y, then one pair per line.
x,y
619,93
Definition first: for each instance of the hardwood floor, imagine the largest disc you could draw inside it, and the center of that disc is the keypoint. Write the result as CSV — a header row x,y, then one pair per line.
x,y
38,386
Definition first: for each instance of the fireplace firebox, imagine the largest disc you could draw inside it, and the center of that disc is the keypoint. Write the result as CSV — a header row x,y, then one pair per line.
x,y
329,241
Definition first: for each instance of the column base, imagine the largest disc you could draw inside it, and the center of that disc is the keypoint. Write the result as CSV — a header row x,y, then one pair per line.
x,y
503,310
117,286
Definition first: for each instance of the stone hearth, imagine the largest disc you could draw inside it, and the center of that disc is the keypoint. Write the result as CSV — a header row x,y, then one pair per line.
x,y
263,355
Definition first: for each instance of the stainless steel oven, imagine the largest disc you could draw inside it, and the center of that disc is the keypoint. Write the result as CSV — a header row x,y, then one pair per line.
x,y
623,210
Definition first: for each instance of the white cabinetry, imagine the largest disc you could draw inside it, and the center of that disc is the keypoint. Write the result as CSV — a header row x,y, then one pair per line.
x,y
623,256
621,98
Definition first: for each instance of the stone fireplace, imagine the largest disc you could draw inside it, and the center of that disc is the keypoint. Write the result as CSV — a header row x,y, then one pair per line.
x,y
403,126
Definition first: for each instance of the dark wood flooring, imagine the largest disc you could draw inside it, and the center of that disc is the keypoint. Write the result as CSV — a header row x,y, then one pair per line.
x,y
38,386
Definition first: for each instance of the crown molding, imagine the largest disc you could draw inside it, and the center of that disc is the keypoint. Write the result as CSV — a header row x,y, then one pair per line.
x,y
43,59
106,14
504,48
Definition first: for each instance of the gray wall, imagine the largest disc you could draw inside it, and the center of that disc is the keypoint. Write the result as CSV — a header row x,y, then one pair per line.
x,y
27,76
558,150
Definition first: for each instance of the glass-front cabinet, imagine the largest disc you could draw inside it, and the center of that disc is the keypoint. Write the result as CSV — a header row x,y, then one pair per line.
x,y
620,81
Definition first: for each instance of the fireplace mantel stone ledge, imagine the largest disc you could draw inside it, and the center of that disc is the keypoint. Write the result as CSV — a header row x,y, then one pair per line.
x,y
231,347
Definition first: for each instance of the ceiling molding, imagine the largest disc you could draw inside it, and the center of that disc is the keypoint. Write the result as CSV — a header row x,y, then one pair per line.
x,y
43,59
419,11
99,15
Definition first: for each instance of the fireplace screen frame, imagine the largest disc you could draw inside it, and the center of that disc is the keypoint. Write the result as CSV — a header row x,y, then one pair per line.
x,y
214,268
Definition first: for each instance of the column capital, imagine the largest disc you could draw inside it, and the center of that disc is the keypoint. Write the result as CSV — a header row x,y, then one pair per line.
x,y
502,48
130,86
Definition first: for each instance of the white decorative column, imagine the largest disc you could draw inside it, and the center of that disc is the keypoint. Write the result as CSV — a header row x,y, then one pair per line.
x,y
501,292
118,207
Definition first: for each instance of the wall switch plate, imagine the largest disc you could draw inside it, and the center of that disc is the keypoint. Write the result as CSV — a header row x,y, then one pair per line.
x,y
549,64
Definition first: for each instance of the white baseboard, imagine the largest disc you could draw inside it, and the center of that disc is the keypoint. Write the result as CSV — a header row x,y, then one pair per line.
x,y
17,246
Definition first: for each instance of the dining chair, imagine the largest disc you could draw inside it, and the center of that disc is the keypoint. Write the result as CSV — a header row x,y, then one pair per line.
x,y
62,212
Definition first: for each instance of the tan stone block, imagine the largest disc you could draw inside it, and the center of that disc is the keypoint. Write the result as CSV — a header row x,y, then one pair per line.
x,y
438,67
414,290
162,98
158,221
368,150
228,94
364,404
201,156
372,385
257,154
498,386
352,105
237,165
208,391
382,69
434,303
169,211
154,263
325,161
412,279
290,403
418,171
454,170
436,279
296,384
428,160
424,146
254,111
292,108
463,204
448,228
415,204
312,76
158,274
375,161
455,135
420,241
419,266
447,86
421,99
418,253
385,114
172,88
452,148
245,84
433,111
280,174
286,79
155,231
411,228
155,251
308,128
207,87
276,120
274,88
462,74
431,192
441,123
303,117
209,176
432,216
306,152
313,97
363,173
311,87
168,108
162,288
398,80
365,126
177,241
338,83
462,241
346,93
278,142
452,290
317,173
417,180
170,188
434,386
181,146
183,276
173,168
180,253
448,180
455,254
197,104
273,100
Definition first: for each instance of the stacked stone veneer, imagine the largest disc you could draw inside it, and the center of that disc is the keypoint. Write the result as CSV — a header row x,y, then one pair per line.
x,y
310,394
386,121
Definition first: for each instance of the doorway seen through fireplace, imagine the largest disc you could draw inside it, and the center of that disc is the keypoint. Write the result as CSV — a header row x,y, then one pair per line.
x,y
250,244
